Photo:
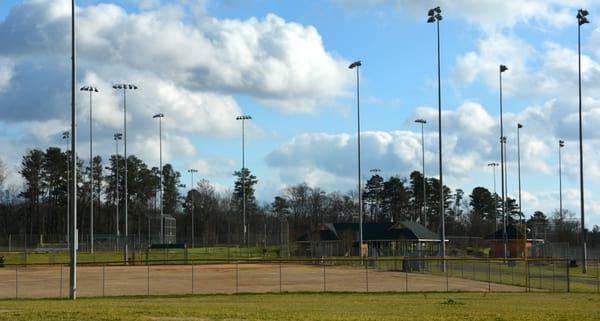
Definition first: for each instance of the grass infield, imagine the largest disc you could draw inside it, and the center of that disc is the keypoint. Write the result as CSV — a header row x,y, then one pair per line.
x,y
314,306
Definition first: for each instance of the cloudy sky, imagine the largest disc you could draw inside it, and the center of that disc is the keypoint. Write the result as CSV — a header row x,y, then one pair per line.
x,y
204,62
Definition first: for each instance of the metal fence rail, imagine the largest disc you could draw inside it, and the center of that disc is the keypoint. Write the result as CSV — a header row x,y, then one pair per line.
x,y
396,274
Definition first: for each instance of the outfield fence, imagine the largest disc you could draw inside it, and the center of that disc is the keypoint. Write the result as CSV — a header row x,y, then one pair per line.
x,y
179,277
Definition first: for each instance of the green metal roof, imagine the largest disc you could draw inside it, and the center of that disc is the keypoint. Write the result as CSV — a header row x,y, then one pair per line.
x,y
404,230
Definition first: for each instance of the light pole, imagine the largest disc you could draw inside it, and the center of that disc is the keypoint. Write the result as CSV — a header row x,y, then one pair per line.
x,y
356,65
125,87
73,173
117,137
581,19
243,118
519,126
91,90
561,144
66,135
112,176
192,171
423,122
493,165
504,203
435,15
502,69
162,231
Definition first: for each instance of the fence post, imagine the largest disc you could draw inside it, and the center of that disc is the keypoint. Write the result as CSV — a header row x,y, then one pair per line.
x,y
16,281
447,271
367,274
526,275
9,243
61,281
405,275
540,275
489,275
553,277
598,276
103,278
568,276
192,278
280,275
147,279
324,279
237,277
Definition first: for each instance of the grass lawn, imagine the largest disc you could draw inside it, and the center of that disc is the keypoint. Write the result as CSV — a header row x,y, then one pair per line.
x,y
306,306
218,253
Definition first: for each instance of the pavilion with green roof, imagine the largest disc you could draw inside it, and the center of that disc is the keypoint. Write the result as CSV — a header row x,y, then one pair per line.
x,y
404,238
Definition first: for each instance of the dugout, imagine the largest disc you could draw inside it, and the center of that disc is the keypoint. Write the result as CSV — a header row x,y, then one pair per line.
x,y
403,238
167,249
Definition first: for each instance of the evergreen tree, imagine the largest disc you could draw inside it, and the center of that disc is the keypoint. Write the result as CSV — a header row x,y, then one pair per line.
x,y
373,196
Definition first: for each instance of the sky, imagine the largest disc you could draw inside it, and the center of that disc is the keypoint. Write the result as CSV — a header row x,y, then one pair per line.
x,y
285,63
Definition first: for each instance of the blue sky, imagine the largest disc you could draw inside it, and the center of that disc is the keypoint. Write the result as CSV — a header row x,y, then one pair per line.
x,y
285,63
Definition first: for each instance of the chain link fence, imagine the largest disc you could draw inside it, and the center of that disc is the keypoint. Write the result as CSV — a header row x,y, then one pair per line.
x,y
161,277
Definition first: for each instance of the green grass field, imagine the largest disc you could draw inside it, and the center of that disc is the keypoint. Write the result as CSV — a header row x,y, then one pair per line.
x,y
305,306
217,253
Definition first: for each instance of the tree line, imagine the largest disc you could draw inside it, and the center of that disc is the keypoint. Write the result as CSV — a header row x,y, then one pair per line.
x,y
40,206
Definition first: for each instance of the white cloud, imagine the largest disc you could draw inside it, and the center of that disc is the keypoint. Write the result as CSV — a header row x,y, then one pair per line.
x,y
281,63
215,167
6,73
188,65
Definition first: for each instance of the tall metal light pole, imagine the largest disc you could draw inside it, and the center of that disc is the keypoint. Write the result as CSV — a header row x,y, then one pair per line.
x,y
519,126
356,65
493,165
125,87
192,171
243,118
117,137
502,69
73,196
162,230
581,19
423,122
561,144
91,90
435,15
505,203
66,136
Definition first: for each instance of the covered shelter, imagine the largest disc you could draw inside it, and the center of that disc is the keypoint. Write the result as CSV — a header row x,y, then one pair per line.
x,y
402,238
516,244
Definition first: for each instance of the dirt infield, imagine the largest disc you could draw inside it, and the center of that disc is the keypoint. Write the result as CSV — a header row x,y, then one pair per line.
x,y
52,281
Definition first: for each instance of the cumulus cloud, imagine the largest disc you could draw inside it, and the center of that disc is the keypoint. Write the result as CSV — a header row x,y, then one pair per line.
x,y
188,65
468,132
282,63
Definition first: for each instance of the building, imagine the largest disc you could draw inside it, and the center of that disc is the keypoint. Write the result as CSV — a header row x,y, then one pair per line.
x,y
515,244
379,239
